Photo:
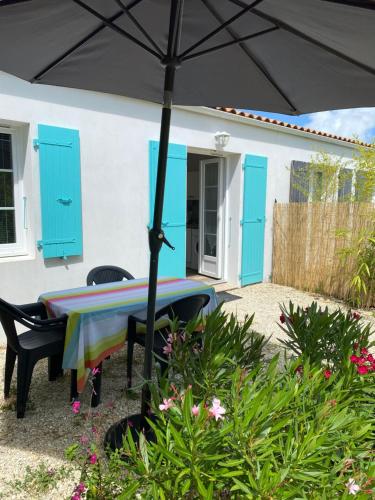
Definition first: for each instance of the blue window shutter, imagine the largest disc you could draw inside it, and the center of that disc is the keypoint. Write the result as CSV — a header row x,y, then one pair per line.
x,y
171,262
254,219
60,191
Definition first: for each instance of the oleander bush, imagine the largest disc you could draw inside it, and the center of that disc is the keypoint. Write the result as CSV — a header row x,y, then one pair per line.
x,y
227,425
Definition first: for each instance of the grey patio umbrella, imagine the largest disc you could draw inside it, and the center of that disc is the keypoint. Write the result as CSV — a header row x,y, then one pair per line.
x,y
290,56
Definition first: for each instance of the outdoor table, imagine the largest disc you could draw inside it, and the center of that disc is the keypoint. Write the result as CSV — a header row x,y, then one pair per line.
x,y
98,316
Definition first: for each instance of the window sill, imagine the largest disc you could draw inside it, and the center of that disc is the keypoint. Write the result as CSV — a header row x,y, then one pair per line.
x,y
15,256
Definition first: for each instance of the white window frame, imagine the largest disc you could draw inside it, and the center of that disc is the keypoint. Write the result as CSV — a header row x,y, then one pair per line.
x,y
17,248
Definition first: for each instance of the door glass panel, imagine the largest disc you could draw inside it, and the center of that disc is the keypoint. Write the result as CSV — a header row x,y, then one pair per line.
x,y
211,180
211,198
210,222
210,245
211,175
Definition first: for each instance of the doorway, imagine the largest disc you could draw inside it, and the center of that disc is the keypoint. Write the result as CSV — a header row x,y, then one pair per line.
x,y
205,216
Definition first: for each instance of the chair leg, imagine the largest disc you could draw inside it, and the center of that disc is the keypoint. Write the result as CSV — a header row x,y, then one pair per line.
x,y
10,359
97,383
25,369
55,366
73,385
131,335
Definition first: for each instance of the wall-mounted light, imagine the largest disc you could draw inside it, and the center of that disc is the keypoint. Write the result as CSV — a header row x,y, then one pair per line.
x,y
221,139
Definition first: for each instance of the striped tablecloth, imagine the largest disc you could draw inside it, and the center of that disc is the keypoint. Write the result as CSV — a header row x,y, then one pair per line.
x,y
98,316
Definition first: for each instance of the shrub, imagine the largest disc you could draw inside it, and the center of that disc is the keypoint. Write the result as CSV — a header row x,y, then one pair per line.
x,y
323,337
205,360
271,435
228,426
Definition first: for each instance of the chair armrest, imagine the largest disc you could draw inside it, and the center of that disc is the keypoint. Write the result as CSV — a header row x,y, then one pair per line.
x,y
39,324
136,319
159,314
34,309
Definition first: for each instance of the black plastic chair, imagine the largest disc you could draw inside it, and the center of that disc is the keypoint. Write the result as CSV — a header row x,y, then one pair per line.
x,y
98,276
45,338
107,274
183,309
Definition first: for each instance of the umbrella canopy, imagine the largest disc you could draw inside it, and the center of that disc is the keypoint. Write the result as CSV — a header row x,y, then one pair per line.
x,y
290,56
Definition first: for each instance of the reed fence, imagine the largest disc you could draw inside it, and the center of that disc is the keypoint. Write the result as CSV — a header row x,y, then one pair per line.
x,y
309,240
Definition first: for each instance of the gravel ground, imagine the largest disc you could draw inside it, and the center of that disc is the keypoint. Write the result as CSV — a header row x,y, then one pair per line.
x,y
49,426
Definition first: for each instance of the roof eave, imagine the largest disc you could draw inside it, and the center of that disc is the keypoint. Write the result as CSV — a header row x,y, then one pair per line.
x,y
247,120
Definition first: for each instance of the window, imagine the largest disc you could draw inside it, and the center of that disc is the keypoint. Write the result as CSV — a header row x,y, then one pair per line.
x,y
11,230
344,192
299,182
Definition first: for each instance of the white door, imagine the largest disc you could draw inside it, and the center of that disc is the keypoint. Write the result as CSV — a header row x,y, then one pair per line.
x,y
211,217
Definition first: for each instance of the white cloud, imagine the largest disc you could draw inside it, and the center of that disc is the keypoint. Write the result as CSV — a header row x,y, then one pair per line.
x,y
358,122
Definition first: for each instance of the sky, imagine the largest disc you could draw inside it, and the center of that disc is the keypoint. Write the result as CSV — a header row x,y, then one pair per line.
x,y
359,122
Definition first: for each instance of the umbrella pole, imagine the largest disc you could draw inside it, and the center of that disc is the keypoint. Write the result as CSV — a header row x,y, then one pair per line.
x,y
114,435
156,234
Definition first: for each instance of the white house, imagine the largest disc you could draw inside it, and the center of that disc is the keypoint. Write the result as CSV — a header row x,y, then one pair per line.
x,y
77,172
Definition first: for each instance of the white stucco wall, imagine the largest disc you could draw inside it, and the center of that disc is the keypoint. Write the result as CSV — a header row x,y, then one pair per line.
x,y
114,135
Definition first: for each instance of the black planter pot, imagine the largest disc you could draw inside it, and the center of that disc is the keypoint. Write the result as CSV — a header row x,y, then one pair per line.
x,y
136,423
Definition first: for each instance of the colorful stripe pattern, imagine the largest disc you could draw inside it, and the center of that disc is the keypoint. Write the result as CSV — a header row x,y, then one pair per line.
x,y
98,316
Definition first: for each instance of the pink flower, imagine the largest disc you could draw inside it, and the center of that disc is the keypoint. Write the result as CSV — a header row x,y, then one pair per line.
x,y
93,459
76,496
355,345
76,406
167,403
354,359
195,410
167,349
282,318
356,315
364,350
94,429
352,486
299,369
80,488
170,338
327,374
95,371
370,358
362,360
216,409
84,440
362,370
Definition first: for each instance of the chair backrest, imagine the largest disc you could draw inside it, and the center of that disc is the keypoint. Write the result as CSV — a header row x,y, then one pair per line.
x,y
185,309
9,314
107,274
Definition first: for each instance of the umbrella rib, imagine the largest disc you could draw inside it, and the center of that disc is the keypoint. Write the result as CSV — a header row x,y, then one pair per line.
x,y
286,27
70,51
228,44
224,24
363,4
140,27
254,59
116,28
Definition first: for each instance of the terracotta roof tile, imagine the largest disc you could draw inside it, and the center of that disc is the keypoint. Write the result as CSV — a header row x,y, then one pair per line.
x,y
273,121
